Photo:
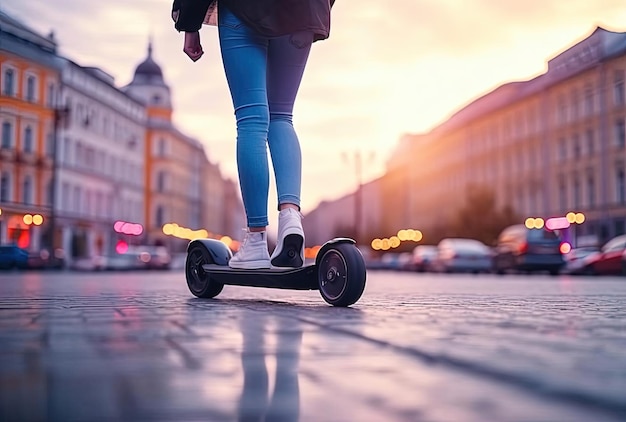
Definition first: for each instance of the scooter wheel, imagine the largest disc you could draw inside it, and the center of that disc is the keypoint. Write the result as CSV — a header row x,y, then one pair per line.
x,y
341,275
199,281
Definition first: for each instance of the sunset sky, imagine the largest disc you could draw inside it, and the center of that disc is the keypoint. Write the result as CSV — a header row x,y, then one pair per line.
x,y
389,68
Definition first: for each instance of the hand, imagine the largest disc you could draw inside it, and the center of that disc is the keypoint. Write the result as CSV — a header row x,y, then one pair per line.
x,y
192,46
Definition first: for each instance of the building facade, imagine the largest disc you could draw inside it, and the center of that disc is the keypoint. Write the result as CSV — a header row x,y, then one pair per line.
x,y
546,147
357,216
100,163
29,83
79,157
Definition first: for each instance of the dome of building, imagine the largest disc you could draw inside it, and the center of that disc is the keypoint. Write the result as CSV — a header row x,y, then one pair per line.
x,y
148,72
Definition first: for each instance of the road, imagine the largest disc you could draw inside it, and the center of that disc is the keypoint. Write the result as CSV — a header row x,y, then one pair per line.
x,y
417,347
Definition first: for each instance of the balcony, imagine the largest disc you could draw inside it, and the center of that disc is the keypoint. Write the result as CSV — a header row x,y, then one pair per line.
x,y
44,161
7,154
29,158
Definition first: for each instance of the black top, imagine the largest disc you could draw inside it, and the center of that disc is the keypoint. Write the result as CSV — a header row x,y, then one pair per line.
x,y
271,18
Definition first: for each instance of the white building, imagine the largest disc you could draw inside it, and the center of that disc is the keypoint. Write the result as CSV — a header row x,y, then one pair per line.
x,y
100,170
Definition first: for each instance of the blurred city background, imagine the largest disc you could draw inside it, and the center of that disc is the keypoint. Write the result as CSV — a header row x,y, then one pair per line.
x,y
530,176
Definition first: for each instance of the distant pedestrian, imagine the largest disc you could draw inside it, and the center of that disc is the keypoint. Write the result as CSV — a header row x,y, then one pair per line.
x,y
265,45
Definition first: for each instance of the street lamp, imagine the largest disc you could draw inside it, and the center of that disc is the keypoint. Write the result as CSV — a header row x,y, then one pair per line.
x,y
357,160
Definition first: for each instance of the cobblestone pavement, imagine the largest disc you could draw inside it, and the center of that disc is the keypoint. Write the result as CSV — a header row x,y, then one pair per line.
x,y
138,347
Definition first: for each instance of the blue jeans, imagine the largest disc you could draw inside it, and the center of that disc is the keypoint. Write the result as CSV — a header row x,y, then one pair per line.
x,y
264,75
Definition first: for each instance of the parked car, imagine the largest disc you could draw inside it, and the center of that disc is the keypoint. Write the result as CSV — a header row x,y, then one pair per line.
x,y
423,256
154,257
44,260
123,262
12,256
609,260
577,260
462,255
522,249
405,261
390,261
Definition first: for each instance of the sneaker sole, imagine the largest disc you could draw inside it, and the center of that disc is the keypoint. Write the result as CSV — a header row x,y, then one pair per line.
x,y
250,265
289,256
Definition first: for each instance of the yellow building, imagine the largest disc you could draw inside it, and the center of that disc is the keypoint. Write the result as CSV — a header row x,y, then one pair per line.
x,y
29,80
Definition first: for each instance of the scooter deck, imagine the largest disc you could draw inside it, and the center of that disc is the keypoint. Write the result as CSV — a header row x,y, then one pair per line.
x,y
304,278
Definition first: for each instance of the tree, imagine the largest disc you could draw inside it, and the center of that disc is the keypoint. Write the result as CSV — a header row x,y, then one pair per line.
x,y
480,218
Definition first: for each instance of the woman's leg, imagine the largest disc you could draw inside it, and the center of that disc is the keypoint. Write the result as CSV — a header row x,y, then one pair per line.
x,y
244,55
287,57
286,61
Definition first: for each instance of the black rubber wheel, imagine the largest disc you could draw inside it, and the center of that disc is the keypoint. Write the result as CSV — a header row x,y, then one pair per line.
x,y
341,275
199,281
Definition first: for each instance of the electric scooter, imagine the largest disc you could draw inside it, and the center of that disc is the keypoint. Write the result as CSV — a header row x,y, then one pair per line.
x,y
338,272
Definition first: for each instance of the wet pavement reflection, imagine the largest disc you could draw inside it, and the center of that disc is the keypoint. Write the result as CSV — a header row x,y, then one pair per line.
x,y
283,404
139,347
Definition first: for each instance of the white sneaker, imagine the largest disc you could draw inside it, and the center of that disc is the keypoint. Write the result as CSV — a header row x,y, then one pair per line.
x,y
253,253
289,250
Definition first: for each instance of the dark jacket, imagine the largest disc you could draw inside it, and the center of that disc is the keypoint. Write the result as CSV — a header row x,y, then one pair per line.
x,y
271,18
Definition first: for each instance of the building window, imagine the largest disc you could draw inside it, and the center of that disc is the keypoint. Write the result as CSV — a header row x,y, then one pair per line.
x,y
574,105
162,147
98,205
576,193
30,88
49,194
28,139
620,186
562,150
532,202
562,194
160,214
109,206
588,101
161,182
5,187
105,126
577,150
591,191
7,135
562,110
78,154
65,196
618,88
132,142
50,101
590,141
90,158
8,87
27,195
87,204
99,160
67,150
50,145
620,133
77,199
